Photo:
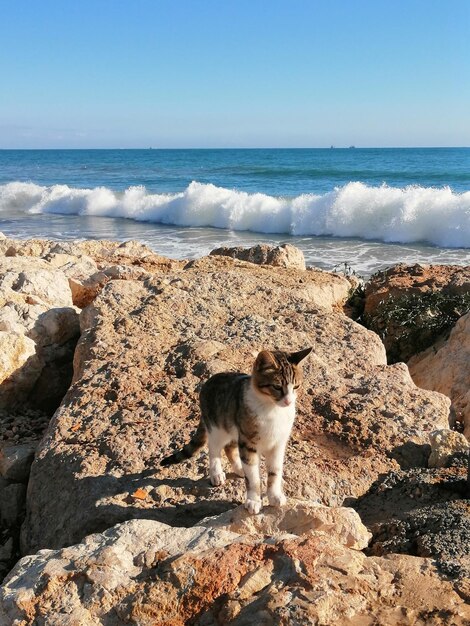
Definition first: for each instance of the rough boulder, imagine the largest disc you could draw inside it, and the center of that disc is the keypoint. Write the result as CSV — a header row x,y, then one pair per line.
x,y
445,367
410,306
284,255
144,351
147,573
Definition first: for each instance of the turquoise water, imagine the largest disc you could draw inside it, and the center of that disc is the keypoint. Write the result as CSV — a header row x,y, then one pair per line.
x,y
368,207
278,172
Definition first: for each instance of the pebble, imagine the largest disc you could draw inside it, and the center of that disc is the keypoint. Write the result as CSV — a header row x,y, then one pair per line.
x,y
22,425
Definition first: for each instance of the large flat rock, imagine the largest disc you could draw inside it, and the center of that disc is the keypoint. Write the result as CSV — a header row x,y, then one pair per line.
x,y
286,572
145,348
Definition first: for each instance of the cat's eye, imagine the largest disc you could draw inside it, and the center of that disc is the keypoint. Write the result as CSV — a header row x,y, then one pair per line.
x,y
276,387
296,386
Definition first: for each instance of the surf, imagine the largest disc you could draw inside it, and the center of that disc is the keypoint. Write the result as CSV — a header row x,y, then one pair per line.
x,y
436,215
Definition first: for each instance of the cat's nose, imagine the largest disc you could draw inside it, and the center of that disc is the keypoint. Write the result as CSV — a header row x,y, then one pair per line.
x,y
288,401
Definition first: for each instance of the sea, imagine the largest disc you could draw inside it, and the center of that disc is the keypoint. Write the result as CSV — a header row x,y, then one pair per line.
x,y
354,208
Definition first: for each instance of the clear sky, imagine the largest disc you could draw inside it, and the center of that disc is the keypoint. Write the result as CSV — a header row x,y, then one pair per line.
x,y
234,73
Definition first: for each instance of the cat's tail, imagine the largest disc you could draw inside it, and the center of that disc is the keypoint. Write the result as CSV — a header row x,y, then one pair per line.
x,y
197,442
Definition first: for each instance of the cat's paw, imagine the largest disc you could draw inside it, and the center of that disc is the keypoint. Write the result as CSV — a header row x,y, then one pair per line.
x,y
218,479
277,499
253,506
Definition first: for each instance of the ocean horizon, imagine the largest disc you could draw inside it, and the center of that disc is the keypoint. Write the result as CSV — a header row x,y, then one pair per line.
x,y
368,207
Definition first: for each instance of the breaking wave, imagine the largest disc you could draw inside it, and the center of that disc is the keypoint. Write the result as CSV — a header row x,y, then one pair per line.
x,y
401,215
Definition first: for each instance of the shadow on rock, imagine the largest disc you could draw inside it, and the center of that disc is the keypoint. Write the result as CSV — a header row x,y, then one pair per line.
x,y
411,454
422,512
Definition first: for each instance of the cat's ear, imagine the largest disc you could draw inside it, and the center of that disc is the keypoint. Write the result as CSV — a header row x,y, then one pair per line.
x,y
296,357
265,361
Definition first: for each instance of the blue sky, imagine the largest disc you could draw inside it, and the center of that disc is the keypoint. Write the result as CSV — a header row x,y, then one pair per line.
x,y
234,73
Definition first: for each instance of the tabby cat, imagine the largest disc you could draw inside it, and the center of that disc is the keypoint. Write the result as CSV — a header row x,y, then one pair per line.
x,y
248,416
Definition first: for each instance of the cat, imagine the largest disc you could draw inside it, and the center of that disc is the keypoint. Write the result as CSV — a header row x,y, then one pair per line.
x,y
248,416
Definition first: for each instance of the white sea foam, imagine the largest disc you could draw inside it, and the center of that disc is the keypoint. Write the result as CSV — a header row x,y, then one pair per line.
x,y
403,215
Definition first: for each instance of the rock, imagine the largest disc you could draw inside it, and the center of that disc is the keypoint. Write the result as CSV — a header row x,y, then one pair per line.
x,y
38,325
34,277
71,265
26,360
423,512
144,572
444,444
55,326
445,367
7,555
410,306
41,284
31,247
24,425
284,255
20,368
88,265
403,279
50,287
55,378
21,316
84,291
111,562
6,551
126,272
129,253
15,461
145,348
296,518
12,504
15,351
9,321
82,272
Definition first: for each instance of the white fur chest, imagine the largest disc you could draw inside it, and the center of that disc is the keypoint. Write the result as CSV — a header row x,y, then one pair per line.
x,y
274,422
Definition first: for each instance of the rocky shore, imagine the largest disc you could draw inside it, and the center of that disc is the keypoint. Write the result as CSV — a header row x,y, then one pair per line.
x,y
104,347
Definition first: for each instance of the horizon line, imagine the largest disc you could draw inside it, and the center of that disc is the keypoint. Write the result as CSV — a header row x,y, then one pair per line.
x,y
332,147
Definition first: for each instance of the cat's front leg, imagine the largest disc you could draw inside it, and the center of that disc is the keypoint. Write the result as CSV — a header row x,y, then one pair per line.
x,y
250,462
274,465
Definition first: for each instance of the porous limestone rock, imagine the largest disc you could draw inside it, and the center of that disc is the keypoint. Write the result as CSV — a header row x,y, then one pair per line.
x,y
20,368
409,306
423,512
296,518
284,255
15,351
15,461
444,444
12,502
445,367
402,279
146,347
51,287
36,312
144,572
37,345
34,278
88,265
77,266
